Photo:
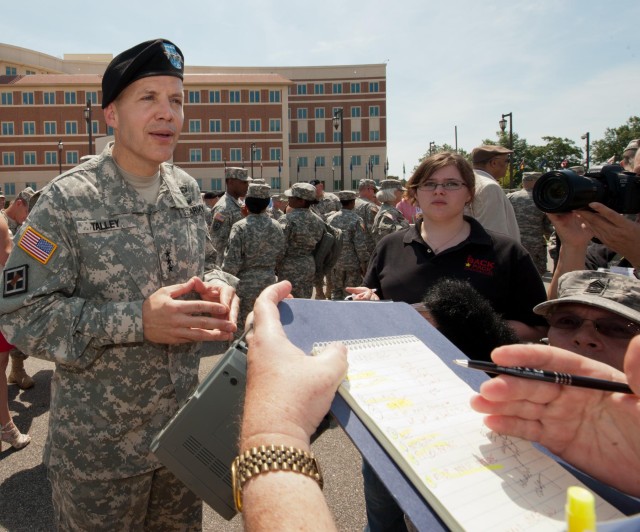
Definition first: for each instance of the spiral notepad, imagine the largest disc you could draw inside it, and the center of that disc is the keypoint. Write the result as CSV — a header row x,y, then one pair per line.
x,y
418,409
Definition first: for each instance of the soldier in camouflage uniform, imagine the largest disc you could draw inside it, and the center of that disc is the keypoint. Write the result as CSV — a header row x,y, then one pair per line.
x,y
256,245
302,231
354,256
367,208
112,278
389,219
279,202
534,225
228,210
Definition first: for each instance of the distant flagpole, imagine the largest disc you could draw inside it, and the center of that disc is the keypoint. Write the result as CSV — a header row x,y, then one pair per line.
x,y
351,169
386,167
279,171
404,172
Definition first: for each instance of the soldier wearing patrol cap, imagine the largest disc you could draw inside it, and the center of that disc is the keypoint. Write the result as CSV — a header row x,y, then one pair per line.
x,y
354,255
629,154
533,224
256,245
367,207
278,206
229,209
113,279
389,219
302,231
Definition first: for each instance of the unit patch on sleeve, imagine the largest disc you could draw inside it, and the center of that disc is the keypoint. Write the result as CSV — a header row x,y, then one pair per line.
x,y
15,281
36,245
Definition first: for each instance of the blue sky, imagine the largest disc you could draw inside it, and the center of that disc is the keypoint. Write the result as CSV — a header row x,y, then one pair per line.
x,y
562,67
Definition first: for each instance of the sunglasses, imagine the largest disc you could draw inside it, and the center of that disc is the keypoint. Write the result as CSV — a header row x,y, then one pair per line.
x,y
612,327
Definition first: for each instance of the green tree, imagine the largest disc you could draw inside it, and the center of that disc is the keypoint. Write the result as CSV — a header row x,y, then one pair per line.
x,y
437,149
519,157
552,153
615,141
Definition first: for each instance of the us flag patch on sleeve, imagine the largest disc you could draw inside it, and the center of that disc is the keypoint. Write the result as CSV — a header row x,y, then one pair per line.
x,y
36,245
15,281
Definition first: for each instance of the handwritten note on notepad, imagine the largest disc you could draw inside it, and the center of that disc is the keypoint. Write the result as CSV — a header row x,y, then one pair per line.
x,y
475,479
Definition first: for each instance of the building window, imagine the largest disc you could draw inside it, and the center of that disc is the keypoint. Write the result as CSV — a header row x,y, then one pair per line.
x,y
374,135
318,88
336,160
374,86
274,124
194,126
8,158
235,125
303,138
10,71
374,110
302,113
109,131
275,183
355,87
214,96
29,158
320,161
28,128
355,112
50,128
27,98
49,98
356,160
32,185
255,125
337,88
91,96
215,155
215,126
7,128
194,96
319,112
72,157
195,155
336,136
356,136
95,126
257,154
71,128
254,96
69,98
320,136
302,88
303,162
274,154
50,157
216,183
10,189
234,96
6,98
375,160
274,96
236,154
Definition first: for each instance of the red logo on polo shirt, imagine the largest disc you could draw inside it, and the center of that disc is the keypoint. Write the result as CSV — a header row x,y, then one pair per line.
x,y
479,265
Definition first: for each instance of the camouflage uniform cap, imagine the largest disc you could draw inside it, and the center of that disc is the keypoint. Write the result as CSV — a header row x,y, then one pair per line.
x,y
279,197
346,195
29,196
391,184
632,147
258,180
233,172
305,191
368,183
531,176
257,190
617,293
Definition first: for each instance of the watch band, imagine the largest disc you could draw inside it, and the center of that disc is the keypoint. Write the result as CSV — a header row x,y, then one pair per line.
x,y
265,458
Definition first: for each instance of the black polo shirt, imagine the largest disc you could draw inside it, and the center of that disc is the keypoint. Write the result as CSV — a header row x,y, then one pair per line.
x,y
403,267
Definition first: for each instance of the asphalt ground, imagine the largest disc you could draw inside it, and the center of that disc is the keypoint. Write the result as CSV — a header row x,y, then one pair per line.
x,y
25,493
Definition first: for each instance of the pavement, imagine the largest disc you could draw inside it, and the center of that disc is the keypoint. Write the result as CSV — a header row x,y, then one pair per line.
x,y
25,494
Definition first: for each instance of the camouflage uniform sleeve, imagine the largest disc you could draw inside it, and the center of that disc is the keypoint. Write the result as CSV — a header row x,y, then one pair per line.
x,y
45,316
233,255
360,242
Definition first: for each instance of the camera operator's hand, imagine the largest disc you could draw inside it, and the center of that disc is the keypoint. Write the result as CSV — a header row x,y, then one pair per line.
x,y
614,230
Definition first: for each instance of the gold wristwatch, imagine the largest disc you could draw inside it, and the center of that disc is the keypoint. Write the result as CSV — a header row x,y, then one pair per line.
x,y
265,458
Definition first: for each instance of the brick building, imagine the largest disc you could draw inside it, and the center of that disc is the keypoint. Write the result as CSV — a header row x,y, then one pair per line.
x,y
277,120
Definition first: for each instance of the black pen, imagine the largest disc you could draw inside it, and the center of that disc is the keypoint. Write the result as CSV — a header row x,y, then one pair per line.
x,y
547,376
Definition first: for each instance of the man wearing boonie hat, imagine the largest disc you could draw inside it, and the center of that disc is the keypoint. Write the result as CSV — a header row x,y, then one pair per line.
x,y
354,256
302,231
595,315
367,207
490,205
229,209
113,279
389,219
534,225
256,245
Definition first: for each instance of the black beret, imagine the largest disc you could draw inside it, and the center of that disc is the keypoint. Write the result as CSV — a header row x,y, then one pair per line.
x,y
150,58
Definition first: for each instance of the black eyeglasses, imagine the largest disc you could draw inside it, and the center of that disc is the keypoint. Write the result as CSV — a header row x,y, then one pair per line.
x,y
612,327
447,185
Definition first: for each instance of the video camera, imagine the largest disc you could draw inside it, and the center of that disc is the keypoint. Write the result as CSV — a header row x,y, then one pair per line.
x,y
564,190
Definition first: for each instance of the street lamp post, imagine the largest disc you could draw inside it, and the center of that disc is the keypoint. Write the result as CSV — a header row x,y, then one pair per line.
x,y
586,137
253,152
60,146
87,117
503,125
338,122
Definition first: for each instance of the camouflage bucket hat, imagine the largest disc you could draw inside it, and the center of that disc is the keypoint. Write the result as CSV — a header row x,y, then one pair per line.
x,y
305,191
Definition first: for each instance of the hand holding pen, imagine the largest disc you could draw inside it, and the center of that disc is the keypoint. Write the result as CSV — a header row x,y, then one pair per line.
x,y
596,431
361,293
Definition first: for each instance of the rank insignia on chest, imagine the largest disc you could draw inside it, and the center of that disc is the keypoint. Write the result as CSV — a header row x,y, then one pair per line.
x,y
15,281
36,245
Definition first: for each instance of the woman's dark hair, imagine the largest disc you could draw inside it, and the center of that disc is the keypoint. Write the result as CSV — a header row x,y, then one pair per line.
x,y
434,163
256,205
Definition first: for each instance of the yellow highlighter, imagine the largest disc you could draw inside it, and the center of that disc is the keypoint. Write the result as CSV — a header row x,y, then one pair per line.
x,y
580,510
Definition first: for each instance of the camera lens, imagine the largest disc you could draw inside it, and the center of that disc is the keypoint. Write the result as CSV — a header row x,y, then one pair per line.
x,y
564,191
554,193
